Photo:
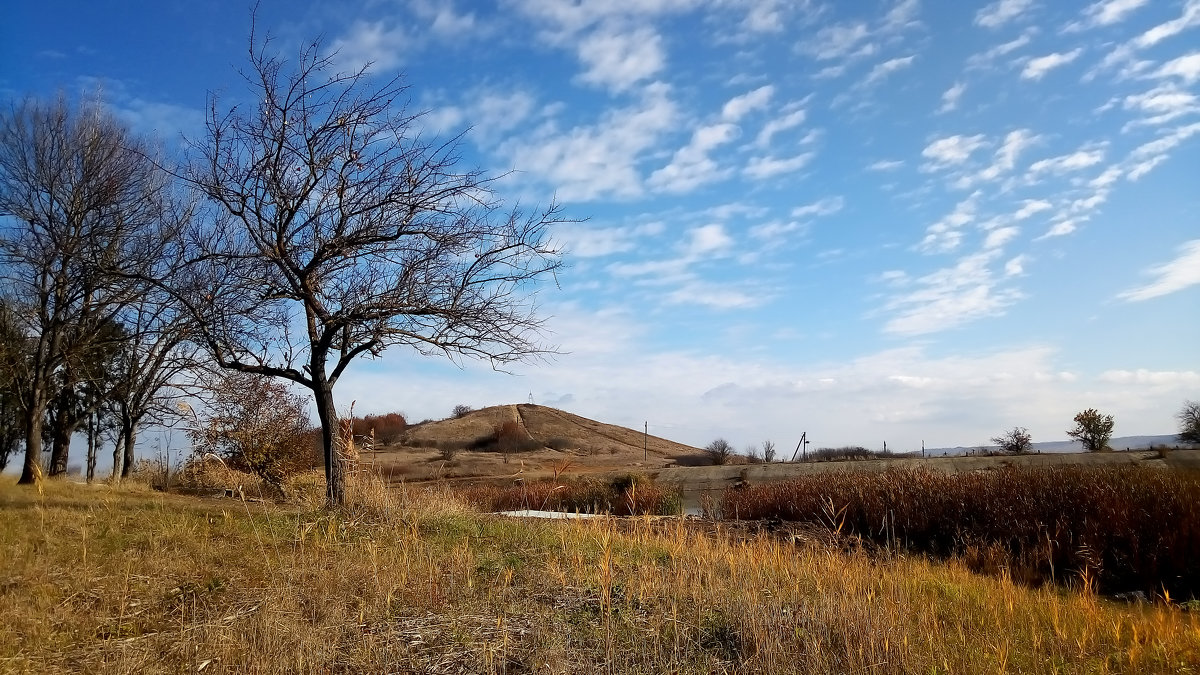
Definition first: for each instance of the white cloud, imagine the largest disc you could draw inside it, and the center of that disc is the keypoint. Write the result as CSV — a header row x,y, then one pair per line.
x,y
590,161
1015,142
1163,104
1036,68
766,167
1186,68
1143,376
1060,229
881,71
1001,12
950,297
885,165
951,151
822,207
707,240
596,242
1126,52
1075,161
691,166
985,59
620,58
837,41
716,296
374,43
1170,277
1032,207
738,106
951,97
1015,267
944,235
1106,13
777,228
1001,236
789,120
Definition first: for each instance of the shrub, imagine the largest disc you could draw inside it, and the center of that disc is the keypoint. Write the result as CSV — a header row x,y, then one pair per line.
x,y
1014,442
387,428
460,411
559,444
505,438
719,451
1128,528
255,424
839,454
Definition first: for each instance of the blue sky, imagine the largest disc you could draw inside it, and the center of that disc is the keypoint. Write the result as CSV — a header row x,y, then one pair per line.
x,y
897,221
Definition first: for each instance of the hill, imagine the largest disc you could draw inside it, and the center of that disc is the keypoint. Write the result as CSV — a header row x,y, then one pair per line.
x,y
556,440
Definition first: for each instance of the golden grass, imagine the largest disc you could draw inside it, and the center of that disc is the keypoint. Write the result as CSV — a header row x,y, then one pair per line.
x,y
125,580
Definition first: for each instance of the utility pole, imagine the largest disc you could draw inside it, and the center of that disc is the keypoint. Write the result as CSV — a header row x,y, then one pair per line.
x,y
922,447
646,441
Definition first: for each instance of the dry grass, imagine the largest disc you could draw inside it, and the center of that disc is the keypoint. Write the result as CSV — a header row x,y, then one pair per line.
x,y
133,581
1126,528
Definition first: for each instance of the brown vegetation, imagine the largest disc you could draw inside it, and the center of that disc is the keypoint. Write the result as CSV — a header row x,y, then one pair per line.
x,y
1121,528
130,581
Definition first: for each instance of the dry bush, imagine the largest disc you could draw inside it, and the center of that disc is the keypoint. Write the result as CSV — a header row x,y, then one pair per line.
x,y
1128,528
256,424
386,429
461,411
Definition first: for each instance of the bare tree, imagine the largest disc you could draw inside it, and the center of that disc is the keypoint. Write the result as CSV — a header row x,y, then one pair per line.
x,y
1014,442
337,230
768,451
1093,429
719,451
80,193
1189,422
147,373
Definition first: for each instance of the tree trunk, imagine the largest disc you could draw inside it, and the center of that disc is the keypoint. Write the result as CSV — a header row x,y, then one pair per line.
x,y
60,435
34,413
91,447
120,443
129,433
335,476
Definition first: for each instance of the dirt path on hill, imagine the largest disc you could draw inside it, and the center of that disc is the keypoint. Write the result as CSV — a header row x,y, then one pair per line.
x,y
521,422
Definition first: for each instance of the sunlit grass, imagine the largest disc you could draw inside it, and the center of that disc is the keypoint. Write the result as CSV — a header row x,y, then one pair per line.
x,y
119,580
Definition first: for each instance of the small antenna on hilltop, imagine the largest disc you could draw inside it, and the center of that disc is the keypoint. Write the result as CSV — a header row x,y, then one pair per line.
x,y
531,398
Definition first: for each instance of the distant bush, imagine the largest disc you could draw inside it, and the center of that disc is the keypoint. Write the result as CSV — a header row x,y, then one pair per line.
x,y
630,494
837,454
1124,528
719,451
1015,442
506,438
460,411
387,428
559,444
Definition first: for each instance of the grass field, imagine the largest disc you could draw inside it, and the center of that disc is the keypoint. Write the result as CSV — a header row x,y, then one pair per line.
x,y
127,580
